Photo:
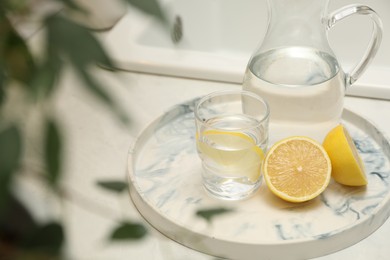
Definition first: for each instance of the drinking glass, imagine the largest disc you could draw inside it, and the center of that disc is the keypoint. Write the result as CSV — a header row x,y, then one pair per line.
x,y
231,139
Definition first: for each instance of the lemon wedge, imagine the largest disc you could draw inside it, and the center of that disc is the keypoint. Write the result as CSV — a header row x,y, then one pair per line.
x,y
347,167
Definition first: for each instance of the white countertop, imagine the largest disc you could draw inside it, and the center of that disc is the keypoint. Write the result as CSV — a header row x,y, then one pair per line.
x,y
97,149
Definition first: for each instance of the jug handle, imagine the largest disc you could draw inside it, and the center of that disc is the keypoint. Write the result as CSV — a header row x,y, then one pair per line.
x,y
374,43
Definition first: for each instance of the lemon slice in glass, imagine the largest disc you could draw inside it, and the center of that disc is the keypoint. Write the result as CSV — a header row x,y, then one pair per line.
x,y
233,154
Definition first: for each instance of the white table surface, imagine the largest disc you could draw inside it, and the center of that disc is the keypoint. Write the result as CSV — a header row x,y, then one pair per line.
x,y
97,148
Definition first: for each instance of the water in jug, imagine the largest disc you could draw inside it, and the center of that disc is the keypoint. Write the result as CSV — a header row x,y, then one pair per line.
x,y
296,71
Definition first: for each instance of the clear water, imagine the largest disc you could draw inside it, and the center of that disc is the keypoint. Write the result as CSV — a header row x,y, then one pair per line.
x,y
232,148
304,88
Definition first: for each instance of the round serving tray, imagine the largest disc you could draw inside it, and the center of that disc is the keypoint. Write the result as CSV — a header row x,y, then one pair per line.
x,y
165,185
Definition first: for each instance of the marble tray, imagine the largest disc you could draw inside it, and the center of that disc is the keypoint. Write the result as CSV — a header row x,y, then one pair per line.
x,y
165,186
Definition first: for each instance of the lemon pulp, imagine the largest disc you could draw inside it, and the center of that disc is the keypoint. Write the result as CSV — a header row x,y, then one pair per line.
x,y
297,169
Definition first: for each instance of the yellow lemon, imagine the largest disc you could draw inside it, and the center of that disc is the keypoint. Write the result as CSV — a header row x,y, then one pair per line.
x,y
234,154
297,169
347,167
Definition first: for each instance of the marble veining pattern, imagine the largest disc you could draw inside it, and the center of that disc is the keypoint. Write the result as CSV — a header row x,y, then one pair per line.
x,y
167,175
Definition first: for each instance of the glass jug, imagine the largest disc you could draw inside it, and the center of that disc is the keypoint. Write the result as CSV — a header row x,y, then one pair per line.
x,y
296,71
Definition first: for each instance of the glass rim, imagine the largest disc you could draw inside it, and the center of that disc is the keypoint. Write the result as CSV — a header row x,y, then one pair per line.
x,y
264,118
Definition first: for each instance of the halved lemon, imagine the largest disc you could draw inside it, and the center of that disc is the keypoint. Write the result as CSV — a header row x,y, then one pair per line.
x,y
347,167
234,154
297,169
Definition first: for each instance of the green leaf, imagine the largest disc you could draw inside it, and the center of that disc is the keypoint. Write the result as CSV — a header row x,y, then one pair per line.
x,y
53,151
16,222
95,88
3,80
15,56
128,231
82,52
10,153
151,7
46,77
2,93
101,94
116,186
72,5
75,42
209,214
46,238
14,6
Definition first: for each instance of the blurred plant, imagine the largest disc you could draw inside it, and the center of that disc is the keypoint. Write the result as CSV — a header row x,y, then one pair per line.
x,y
36,76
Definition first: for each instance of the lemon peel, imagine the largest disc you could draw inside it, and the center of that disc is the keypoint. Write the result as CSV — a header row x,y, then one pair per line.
x,y
347,166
